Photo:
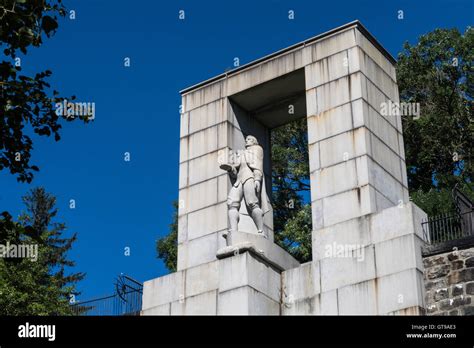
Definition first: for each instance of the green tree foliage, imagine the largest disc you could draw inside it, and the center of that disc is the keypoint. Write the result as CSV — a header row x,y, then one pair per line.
x,y
40,287
437,201
167,246
295,236
437,72
26,102
290,181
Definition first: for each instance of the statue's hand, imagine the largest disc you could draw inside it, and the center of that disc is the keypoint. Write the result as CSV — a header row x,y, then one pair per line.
x,y
229,168
257,186
226,166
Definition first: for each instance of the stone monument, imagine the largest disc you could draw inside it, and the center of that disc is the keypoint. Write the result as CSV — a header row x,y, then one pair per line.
x,y
367,236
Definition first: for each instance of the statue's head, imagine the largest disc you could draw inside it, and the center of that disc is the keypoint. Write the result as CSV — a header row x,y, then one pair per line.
x,y
250,140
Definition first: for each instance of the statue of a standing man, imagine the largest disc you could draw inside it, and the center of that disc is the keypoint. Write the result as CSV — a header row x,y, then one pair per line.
x,y
246,174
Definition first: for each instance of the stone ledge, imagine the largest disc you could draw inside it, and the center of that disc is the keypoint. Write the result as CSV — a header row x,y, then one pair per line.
x,y
164,309
261,248
413,311
331,34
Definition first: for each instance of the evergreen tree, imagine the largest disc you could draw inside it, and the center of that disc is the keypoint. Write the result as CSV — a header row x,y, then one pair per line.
x,y
41,287
290,184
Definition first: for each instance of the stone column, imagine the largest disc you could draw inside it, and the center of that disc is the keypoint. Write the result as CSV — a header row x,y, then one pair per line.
x,y
364,263
203,187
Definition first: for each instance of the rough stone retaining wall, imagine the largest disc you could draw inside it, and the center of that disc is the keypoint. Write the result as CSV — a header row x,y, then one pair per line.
x,y
449,283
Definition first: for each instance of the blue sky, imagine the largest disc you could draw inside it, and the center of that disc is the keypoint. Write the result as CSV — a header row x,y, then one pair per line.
x,y
128,204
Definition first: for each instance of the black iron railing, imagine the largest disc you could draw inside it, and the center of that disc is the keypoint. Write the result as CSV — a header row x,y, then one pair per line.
x,y
449,226
127,300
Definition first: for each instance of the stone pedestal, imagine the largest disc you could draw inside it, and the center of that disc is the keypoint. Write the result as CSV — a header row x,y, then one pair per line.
x,y
245,280
364,266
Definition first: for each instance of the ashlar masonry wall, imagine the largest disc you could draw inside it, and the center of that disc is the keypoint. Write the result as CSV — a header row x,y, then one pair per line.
x,y
359,194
